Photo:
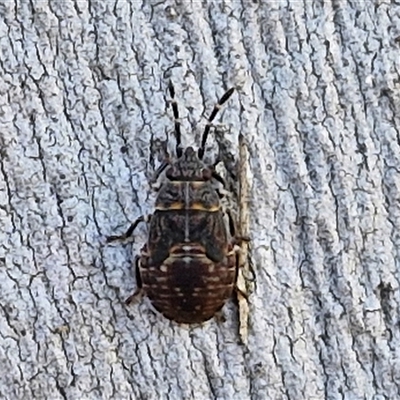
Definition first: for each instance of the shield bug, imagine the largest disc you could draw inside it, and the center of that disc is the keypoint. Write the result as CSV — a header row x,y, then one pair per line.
x,y
188,267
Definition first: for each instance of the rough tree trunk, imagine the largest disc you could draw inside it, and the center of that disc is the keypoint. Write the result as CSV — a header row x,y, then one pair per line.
x,y
82,115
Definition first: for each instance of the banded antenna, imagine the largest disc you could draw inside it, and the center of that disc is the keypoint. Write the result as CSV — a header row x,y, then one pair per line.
x,y
176,118
178,135
217,107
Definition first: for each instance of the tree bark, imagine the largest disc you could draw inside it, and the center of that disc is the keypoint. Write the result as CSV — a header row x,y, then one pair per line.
x,y
83,119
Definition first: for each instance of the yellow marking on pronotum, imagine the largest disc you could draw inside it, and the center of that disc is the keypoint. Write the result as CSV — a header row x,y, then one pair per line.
x,y
200,207
173,206
181,206
193,184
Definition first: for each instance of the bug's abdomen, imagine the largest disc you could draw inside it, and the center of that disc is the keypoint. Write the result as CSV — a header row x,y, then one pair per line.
x,y
188,287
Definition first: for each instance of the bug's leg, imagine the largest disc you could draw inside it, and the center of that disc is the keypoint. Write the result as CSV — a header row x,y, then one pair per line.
x,y
212,173
229,181
176,118
237,239
128,233
139,289
232,225
210,119
154,184
166,161
218,177
222,191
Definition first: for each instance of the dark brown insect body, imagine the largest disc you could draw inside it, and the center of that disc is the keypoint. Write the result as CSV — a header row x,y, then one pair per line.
x,y
188,266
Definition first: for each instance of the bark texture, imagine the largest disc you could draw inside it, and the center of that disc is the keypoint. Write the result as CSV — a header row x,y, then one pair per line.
x,y
82,115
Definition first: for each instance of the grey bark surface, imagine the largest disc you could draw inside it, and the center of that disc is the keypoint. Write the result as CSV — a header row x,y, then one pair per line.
x,y
83,91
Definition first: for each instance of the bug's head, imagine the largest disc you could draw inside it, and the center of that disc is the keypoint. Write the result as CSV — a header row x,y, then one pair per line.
x,y
188,167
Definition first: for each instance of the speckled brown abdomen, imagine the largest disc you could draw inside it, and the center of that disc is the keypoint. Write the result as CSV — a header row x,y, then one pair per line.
x,y
188,287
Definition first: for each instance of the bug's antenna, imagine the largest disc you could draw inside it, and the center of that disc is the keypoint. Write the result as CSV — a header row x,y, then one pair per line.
x,y
217,107
176,118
